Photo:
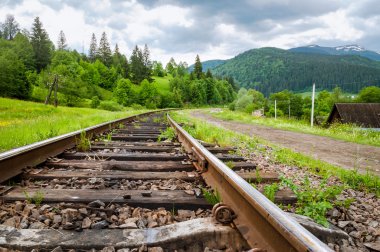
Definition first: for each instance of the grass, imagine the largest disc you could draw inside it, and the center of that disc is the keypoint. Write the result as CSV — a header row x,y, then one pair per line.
x,y
344,132
23,122
210,133
162,84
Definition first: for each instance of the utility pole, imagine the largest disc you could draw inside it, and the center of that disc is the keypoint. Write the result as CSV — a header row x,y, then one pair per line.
x,y
312,106
275,109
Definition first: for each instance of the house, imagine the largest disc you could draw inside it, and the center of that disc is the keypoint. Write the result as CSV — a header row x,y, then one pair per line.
x,y
366,115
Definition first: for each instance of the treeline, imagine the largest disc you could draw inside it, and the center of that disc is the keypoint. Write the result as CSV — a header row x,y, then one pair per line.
x,y
200,88
294,105
105,78
271,70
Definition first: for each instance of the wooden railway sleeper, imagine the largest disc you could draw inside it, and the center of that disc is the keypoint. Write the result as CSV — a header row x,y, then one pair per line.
x,y
223,213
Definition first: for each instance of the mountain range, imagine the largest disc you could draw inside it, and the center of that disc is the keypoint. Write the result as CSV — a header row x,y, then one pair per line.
x,y
271,69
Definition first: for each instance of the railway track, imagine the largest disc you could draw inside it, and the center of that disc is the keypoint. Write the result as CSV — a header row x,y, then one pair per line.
x,y
130,189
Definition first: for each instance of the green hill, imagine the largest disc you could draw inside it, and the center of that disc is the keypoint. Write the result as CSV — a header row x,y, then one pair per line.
x,y
271,70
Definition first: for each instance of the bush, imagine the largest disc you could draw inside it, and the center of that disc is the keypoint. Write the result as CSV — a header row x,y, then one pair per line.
x,y
95,102
136,106
110,106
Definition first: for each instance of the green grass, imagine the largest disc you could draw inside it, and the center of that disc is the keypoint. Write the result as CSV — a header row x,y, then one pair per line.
x,y
345,132
23,122
210,133
162,83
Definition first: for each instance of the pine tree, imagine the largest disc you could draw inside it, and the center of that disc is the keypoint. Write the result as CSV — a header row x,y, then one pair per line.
x,y
104,52
93,49
42,45
197,68
61,41
120,62
10,27
208,74
147,64
137,65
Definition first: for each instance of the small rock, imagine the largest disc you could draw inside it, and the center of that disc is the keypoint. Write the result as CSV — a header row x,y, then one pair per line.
x,y
37,225
57,219
108,249
189,192
140,224
57,249
83,211
342,224
184,214
100,225
44,207
155,249
86,223
24,223
147,194
19,206
199,211
96,204
152,224
12,222
373,224
123,250
130,225
68,226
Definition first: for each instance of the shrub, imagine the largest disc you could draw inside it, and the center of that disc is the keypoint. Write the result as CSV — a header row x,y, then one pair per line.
x,y
110,106
95,102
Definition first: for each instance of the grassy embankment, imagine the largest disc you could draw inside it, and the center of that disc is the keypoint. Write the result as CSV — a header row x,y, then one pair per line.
x,y
313,200
344,132
23,122
210,133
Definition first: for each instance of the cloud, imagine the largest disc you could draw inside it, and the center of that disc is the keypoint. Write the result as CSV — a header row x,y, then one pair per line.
x,y
213,29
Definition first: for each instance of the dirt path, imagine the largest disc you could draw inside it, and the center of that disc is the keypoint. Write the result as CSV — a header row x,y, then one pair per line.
x,y
340,153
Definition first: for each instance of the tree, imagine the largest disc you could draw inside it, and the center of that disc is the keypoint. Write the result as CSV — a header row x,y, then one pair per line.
x,y
92,53
369,94
13,82
61,41
124,92
197,68
24,49
42,45
120,62
208,74
10,27
137,66
158,69
171,66
104,51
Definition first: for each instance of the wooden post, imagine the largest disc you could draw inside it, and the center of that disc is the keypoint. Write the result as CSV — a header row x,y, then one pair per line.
x,y
275,109
312,106
49,94
55,90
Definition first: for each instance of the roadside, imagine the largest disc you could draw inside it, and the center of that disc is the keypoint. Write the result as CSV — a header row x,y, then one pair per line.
x,y
336,152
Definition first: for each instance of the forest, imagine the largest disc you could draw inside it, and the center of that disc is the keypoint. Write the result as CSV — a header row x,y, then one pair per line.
x,y
102,78
271,70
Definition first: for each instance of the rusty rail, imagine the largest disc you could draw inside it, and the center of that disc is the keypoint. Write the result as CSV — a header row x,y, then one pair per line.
x,y
14,161
265,226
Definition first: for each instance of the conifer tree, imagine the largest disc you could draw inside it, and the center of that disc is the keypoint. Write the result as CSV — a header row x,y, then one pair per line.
x,y
208,74
120,62
61,41
10,27
137,65
197,68
93,49
42,45
104,52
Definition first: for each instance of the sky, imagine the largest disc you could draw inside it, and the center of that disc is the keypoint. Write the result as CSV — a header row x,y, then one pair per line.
x,y
214,29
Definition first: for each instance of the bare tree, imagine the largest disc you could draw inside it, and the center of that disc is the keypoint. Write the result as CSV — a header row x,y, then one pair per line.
x,y
62,41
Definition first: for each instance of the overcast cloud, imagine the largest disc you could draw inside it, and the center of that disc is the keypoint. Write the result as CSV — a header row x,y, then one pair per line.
x,y
214,29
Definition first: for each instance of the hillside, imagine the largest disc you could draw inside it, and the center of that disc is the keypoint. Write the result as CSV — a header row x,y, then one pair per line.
x,y
338,50
208,64
272,70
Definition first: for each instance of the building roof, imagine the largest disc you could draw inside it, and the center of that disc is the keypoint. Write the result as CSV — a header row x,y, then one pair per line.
x,y
362,114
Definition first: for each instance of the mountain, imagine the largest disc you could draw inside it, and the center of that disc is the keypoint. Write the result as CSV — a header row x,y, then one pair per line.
x,y
208,64
339,50
271,70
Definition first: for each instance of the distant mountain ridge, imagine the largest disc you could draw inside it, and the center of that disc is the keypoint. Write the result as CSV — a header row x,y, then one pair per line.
x,y
208,64
271,69
338,50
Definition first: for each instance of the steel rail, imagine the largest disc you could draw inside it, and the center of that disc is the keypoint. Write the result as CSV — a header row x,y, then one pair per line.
x,y
264,225
14,161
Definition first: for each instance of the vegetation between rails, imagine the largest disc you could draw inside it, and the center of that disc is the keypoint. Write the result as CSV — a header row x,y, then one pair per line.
x,y
346,132
23,123
313,201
